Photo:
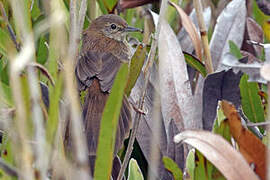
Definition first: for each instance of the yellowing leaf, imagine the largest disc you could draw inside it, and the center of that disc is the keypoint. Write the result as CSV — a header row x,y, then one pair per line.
x,y
250,146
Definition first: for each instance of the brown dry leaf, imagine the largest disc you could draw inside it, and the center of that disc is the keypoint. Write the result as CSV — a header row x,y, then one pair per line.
x,y
175,151
182,35
230,26
251,147
249,57
175,91
43,70
254,32
218,151
191,29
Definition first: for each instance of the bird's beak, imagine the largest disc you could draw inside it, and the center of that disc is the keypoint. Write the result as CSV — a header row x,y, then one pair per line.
x,y
133,29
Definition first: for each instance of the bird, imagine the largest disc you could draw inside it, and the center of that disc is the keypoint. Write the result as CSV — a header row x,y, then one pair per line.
x,y
104,48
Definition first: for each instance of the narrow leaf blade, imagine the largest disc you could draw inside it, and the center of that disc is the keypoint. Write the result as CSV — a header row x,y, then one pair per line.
x,y
108,126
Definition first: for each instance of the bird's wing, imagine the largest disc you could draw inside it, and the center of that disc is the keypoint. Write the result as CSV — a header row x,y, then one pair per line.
x,y
97,71
103,66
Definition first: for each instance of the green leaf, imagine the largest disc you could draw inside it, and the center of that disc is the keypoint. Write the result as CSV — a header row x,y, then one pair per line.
x,y
25,93
108,126
258,15
204,169
53,114
201,172
190,163
171,14
220,116
251,101
4,70
5,42
234,50
262,19
57,40
134,172
5,95
129,15
195,63
135,67
102,7
7,155
171,166
107,6
42,52
222,128
35,13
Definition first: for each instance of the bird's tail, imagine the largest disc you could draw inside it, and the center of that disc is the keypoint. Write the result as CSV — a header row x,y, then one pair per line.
x,y
92,113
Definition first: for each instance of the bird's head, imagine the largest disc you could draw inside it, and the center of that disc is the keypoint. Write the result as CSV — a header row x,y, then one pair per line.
x,y
112,26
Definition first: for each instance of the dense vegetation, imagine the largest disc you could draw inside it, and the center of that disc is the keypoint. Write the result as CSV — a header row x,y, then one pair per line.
x,y
198,82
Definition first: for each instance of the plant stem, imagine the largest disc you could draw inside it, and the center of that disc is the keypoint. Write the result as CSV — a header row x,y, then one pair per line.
x,y
78,137
203,31
150,61
268,129
82,14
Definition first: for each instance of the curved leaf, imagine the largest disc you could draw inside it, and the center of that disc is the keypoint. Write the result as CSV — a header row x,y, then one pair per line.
x,y
251,101
176,96
195,63
191,29
250,146
218,151
235,50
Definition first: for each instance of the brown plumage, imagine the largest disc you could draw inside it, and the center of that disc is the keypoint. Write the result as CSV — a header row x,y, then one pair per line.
x,y
103,50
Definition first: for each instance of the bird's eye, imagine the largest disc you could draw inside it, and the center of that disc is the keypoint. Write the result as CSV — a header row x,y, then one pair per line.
x,y
113,26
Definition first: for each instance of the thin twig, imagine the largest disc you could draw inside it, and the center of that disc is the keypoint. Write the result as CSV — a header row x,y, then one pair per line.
x,y
137,110
37,117
135,123
73,28
255,43
150,60
267,123
39,130
199,12
92,10
25,156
